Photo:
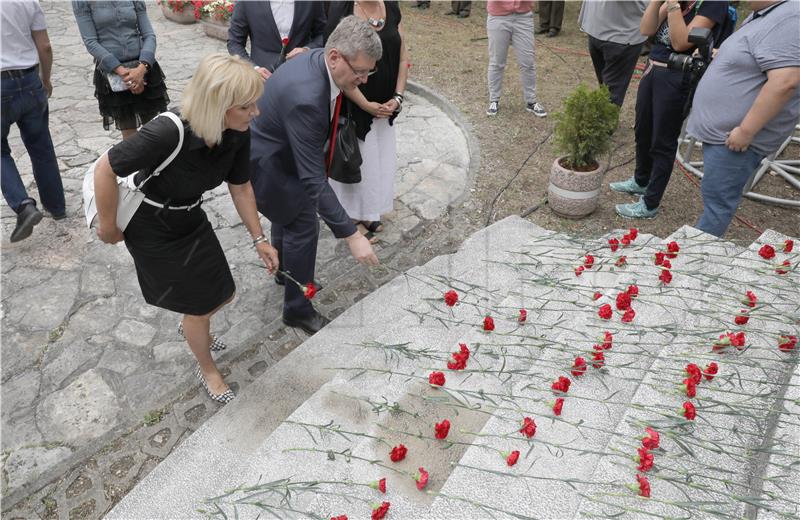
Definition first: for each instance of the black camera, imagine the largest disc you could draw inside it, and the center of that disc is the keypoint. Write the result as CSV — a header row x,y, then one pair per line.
x,y
695,63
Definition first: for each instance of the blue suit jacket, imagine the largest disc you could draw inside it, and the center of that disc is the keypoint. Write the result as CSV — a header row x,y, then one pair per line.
x,y
254,20
287,163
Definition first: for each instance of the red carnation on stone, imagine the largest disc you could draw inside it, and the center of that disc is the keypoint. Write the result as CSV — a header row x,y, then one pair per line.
x,y
378,512
310,290
623,301
666,264
659,258
511,458
672,249
783,268
588,261
626,240
788,245
737,340
651,441
605,312
751,299
690,386
528,427
644,486
459,358
628,315
380,485
608,339
689,411
579,366
742,318
633,233
558,405
340,517
694,373
767,252
579,270
442,429
633,291
666,276
523,316
422,478
645,460
398,453
621,261
561,385
614,244
787,343
596,296
450,298
488,323
598,359
436,379
710,371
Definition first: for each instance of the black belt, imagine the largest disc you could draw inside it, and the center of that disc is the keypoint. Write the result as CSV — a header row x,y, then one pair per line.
x,y
18,73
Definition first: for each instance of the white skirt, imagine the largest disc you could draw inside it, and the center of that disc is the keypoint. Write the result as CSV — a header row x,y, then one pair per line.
x,y
374,195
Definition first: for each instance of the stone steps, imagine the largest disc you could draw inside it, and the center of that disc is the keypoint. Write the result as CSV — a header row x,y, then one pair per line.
x,y
338,410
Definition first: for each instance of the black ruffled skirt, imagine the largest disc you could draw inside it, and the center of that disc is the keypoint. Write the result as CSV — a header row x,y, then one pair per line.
x,y
126,110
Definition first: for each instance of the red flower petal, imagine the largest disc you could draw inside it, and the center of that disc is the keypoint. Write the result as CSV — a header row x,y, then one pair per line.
x,y
767,252
436,379
450,298
442,429
398,453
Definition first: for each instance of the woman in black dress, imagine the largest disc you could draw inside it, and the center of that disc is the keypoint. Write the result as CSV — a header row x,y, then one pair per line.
x,y
178,259
374,105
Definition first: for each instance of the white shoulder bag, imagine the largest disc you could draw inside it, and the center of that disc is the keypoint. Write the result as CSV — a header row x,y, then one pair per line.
x,y
130,195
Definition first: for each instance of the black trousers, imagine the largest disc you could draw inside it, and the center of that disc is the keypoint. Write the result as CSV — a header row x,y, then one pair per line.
x,y
296,243
551,15
613,65
659,116
461,7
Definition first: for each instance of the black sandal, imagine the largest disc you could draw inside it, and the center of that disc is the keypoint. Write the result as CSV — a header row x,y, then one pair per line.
x,y
373,226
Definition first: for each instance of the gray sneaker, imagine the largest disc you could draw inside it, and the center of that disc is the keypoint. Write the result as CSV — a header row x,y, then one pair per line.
x,y
636,210
537,109
494,106
628,186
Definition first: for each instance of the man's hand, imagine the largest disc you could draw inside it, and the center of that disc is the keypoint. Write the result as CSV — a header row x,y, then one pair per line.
x,y
48,87
265,74
269,255
109,234
296,52
361,249
738,139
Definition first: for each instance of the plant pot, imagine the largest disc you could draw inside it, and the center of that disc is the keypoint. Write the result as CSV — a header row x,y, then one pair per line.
x,y
214,29
184,17
574,194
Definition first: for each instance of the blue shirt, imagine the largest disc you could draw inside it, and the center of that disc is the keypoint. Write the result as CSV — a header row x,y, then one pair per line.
x,y
115,32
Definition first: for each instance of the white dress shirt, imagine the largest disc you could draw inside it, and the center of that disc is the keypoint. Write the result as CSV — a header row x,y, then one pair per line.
x,y
283,13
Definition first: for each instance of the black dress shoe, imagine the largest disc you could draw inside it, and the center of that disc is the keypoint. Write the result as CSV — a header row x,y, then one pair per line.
x,y
552,33
542,31
309,324
463,14
27,217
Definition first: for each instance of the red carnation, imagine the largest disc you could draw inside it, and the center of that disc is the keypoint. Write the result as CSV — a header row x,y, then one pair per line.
x,y
651,441
623,301
598,359
310,290
633,291
605,312
742,318
666,276
488,323
436,379
559,404
672,249
459,358
633,233
608,339
561,385
380,485
422,478
284,41
579,366
588,261
528,427
628,316
659,259
523,316
693,371
597,296
646,460
780,269
788,245
666,264
380,511
621,261
689,411
751,299
340,517
450,298
398,453
579,270
614,243
690,386
710,371
626,240
787,343
644,486
767,252
442,429
512,457
737,340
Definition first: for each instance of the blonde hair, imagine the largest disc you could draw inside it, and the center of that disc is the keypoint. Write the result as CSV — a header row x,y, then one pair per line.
x,y
220,82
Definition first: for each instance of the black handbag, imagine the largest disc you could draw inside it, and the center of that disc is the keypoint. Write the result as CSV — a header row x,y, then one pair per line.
x,y
345,166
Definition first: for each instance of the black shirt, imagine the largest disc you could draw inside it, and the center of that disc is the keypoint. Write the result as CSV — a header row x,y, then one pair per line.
x,y
196,169
715,10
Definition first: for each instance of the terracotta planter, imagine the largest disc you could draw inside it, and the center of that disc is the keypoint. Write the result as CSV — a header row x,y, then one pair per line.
x,y
218,30
574,194
185,17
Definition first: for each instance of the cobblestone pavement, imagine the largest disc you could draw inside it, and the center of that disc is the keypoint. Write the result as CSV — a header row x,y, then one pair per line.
x,y
96,385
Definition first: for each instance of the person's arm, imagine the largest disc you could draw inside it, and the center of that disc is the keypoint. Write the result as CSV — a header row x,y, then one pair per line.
x,y
776,92
653,17
371,107
238,32
679,31
147,54
45,52
83,15
106,198
402,71
244,201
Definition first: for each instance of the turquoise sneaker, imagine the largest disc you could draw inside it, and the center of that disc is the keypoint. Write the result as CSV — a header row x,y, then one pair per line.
x,y
628,186
636,210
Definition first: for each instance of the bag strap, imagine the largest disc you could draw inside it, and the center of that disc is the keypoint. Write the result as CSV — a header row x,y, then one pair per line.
x,y
175,119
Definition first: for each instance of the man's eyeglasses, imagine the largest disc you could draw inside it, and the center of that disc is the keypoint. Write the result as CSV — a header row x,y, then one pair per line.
x,y
361,73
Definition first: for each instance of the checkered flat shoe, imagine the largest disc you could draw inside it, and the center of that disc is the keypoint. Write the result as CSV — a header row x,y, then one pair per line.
x,y
216,343
224,398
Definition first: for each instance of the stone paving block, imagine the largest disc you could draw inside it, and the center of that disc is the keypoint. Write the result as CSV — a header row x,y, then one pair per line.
x,y
65,359
20,350
32,310
134,333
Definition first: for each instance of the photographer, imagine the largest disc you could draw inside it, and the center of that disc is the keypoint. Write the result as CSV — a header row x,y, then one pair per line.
x,y
746,105
661,97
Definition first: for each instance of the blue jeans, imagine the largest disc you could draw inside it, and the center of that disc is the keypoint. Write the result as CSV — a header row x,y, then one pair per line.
x,y
24,102
725,174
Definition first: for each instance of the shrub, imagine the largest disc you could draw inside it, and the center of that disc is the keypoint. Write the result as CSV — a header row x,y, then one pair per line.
x,y
584,127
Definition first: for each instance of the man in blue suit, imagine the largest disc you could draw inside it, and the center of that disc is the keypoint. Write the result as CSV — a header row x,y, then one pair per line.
x,y
287,162
269,24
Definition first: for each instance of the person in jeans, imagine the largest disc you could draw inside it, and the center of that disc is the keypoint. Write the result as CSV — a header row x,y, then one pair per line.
x,y
615,42
511,22
746,106
661,98
26,62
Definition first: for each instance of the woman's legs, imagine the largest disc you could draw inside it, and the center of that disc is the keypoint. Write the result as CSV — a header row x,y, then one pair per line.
x,y
197,330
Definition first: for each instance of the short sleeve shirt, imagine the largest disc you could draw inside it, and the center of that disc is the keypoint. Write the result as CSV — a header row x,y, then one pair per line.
x,y
18,19
195,170
715,10
737,74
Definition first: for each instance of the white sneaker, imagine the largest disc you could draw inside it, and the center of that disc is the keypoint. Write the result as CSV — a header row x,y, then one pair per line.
x,y
494,106
537,109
